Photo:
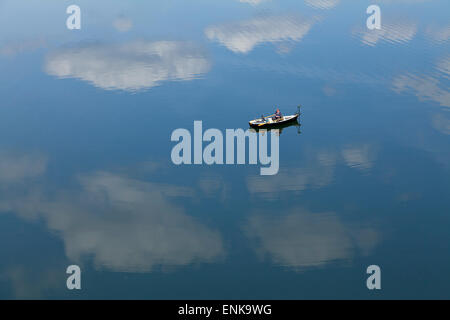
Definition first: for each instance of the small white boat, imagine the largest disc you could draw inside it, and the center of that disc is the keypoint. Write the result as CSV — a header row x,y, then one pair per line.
x,y
270,121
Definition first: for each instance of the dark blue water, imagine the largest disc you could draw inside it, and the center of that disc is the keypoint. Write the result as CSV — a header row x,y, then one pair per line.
x,y
86,176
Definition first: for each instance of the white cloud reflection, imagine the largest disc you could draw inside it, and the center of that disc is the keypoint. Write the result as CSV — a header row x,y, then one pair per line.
x,y
123,224
14,48
290,180
397,33
443,66
123,24
242,37
301,239
317,172
433,86
252,2
131,66
27,282
403,1
129,225
441,122
360,157
19,168
438,34
322,4
424,87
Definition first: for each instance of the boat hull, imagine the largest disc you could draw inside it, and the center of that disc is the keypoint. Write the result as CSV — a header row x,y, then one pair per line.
x,y
273,124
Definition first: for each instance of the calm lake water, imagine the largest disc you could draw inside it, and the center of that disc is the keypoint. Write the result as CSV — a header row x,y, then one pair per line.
x,y
86,176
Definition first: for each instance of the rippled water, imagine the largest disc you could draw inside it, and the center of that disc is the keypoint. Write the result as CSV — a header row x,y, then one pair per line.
x,y
86,176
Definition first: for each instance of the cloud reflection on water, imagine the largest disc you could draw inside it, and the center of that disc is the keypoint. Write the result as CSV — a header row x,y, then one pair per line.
x,y
360,157
317,173
19,168
433,86
398,32
441,122
129,225
438,35
243,36
301,239
253,2
130,66
124,224
123,24
322,4
426,87
13,48
443,66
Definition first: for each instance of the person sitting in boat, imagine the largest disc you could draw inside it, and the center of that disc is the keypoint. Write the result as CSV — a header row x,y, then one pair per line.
x,y
277,115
